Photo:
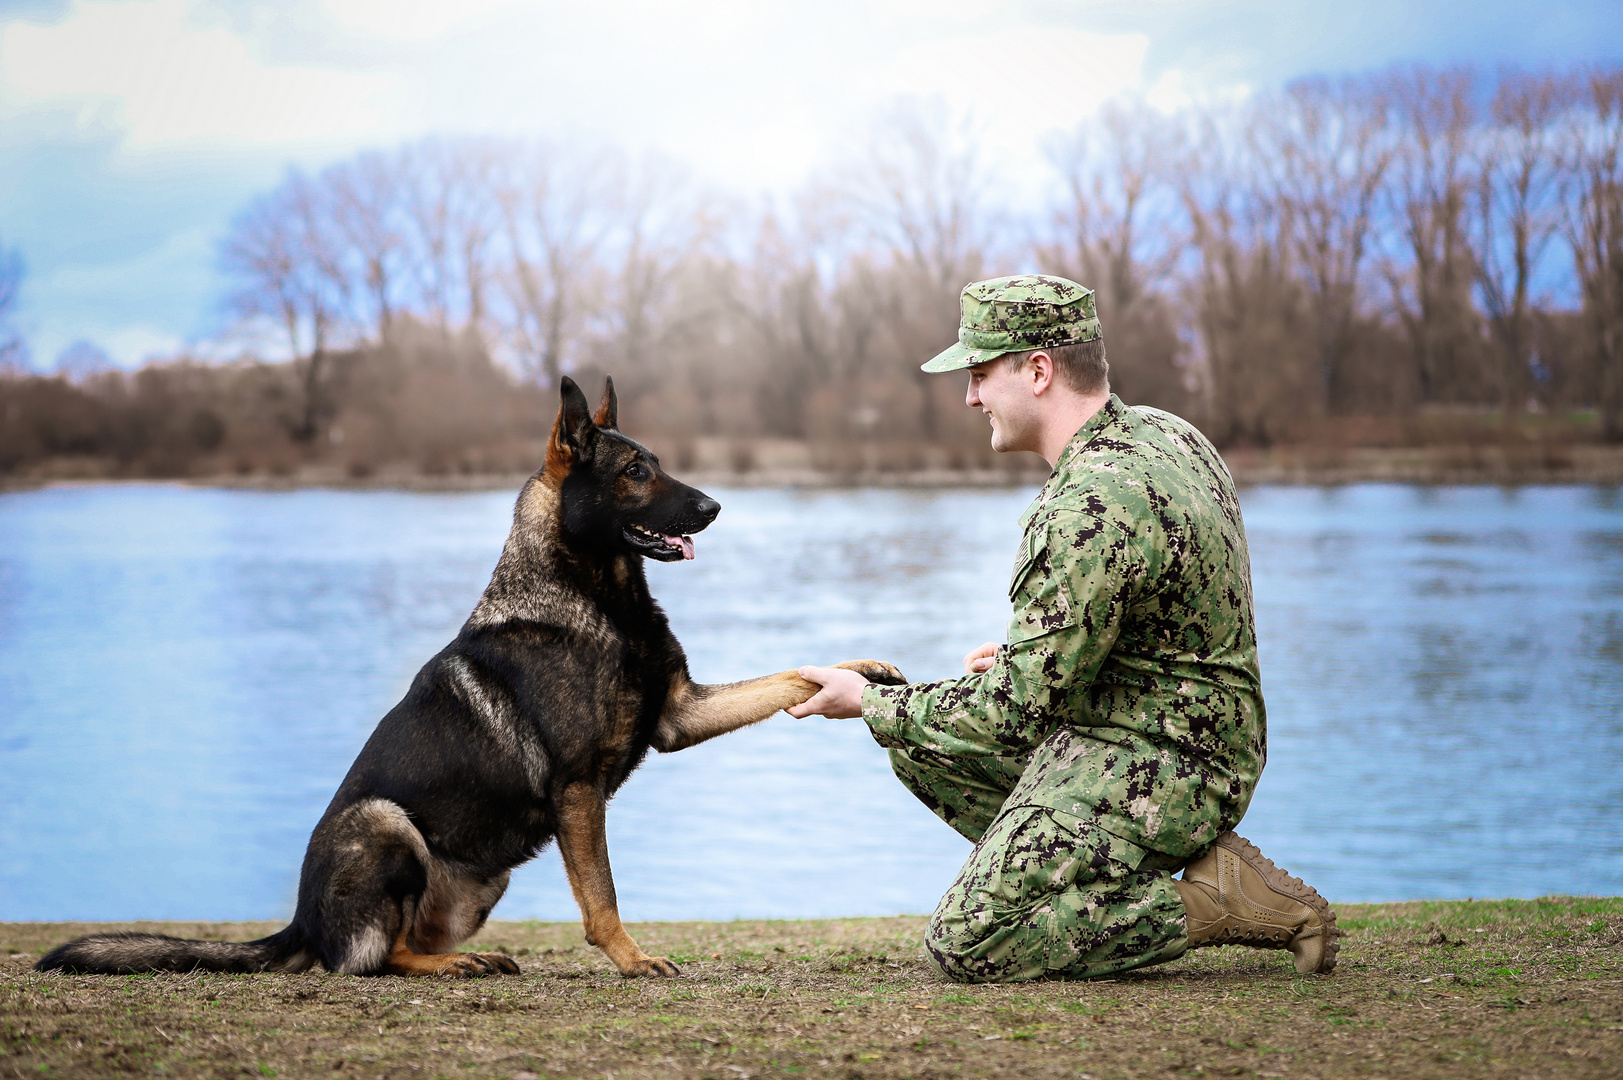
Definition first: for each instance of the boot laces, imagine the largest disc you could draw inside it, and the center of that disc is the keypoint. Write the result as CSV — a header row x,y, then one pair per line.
x,y
1255,935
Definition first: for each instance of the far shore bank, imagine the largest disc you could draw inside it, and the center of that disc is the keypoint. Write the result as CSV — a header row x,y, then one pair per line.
x,y
1504,465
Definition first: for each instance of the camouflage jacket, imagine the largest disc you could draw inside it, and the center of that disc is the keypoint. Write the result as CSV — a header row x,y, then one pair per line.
x,y
1129,679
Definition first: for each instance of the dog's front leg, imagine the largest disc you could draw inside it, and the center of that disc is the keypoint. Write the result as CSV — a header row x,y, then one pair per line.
x,y
583,841
695,712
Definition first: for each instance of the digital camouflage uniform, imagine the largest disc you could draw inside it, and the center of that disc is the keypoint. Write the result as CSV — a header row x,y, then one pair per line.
x,y
1119,730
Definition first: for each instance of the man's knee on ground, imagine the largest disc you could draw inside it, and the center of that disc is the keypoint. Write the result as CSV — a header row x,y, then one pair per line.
x,y
979,935
956,945
1049,893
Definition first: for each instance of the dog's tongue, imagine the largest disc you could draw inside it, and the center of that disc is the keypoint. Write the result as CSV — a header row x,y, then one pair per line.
x,y
683,542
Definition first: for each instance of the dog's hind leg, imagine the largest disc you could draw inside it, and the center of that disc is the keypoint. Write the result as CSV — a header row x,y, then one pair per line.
x,y
695,712
583,842
370,876
457,965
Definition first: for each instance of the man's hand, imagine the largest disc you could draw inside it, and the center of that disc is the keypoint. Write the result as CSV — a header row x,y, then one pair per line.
x,y
840,697
980,660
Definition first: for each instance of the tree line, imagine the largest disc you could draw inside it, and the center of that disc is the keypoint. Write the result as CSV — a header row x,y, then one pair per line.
x,y
1387,250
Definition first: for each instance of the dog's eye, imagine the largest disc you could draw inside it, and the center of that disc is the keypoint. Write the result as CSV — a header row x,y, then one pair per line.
x,y
636,471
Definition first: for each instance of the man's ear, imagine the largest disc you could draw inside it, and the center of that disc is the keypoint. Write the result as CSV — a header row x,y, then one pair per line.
x,y
608,409
572,433
1042,371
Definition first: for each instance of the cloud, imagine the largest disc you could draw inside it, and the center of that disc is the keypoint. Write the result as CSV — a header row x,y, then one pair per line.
x,y
163,76
417,20
986,75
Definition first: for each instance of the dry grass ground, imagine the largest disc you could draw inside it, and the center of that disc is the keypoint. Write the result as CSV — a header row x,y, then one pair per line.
x,y
1472,989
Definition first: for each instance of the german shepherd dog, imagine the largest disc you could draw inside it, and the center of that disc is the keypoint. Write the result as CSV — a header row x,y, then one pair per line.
x,y
518,731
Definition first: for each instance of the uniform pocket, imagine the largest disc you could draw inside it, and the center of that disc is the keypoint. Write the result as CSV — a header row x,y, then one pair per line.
x,y
1036,854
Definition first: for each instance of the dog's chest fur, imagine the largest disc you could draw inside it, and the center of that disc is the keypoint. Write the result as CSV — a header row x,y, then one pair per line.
x,y
600,654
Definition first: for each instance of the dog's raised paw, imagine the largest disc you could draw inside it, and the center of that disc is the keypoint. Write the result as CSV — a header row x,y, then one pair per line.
x,y
876,671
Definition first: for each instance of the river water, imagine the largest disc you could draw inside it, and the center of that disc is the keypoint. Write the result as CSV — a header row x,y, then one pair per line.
x,y
186,674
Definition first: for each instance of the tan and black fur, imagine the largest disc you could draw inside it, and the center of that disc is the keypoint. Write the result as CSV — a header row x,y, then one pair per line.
x,y
519,731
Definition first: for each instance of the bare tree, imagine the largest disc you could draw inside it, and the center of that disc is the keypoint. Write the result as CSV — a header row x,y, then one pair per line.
x,y
851,270
861,302
1323,148
13,350
452,216
918,189
1518,211
1119,232
1428,199
826,297
781,298
1594,227
288,271
1119,213
665,227
554,221
1250,318
364,203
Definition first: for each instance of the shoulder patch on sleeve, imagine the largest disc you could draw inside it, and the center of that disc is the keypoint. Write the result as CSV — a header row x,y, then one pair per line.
x,y
1041,602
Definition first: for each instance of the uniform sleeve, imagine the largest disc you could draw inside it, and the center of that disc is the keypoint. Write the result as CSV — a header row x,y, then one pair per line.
x,y
1076,577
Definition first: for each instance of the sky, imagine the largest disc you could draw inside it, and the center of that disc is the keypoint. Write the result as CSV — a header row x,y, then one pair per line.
x,y
132,131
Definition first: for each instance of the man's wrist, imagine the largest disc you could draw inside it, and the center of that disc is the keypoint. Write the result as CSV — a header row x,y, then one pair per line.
x,y
881,711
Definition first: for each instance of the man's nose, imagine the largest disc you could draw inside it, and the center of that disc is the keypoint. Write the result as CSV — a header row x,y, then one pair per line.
x,y
971,398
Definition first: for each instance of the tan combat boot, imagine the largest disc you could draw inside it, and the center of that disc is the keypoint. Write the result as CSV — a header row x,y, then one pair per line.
x,y
1234,896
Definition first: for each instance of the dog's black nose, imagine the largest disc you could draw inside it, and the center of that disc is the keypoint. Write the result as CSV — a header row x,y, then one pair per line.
x,y
707,509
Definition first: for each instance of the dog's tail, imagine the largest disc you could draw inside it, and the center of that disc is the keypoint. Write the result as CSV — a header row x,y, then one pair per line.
x,y
126,953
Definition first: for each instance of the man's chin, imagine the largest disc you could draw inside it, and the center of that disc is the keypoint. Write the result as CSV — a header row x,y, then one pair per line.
x,y
1005,441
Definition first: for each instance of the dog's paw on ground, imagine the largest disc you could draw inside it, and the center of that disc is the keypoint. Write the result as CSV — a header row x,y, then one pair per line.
x,y
500,962
475,965
655,966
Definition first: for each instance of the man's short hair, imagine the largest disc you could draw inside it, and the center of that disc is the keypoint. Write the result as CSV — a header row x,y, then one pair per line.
x,y
1081,365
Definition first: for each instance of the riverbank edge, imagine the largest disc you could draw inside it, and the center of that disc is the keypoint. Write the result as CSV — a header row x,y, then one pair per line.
x,y
1465,465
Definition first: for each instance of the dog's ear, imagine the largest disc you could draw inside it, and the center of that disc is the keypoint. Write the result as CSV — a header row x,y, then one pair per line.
x,y
607,409
572,432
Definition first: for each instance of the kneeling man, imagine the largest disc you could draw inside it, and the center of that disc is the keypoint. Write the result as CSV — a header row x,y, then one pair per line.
x,y
1117,736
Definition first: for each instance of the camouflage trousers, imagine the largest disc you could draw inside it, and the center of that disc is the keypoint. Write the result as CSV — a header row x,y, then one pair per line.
x,y
1044,893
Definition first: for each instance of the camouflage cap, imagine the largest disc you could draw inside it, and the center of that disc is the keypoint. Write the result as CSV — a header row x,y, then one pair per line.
x,y
1013,314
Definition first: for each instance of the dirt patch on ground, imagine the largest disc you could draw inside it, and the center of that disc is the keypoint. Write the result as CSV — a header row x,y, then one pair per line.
x,y
1511,988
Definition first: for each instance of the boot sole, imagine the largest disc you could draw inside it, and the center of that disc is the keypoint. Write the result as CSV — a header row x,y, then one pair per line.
x,y
1293,887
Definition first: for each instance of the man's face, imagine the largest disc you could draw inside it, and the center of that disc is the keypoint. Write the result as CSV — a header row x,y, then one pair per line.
x,y
1007,399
